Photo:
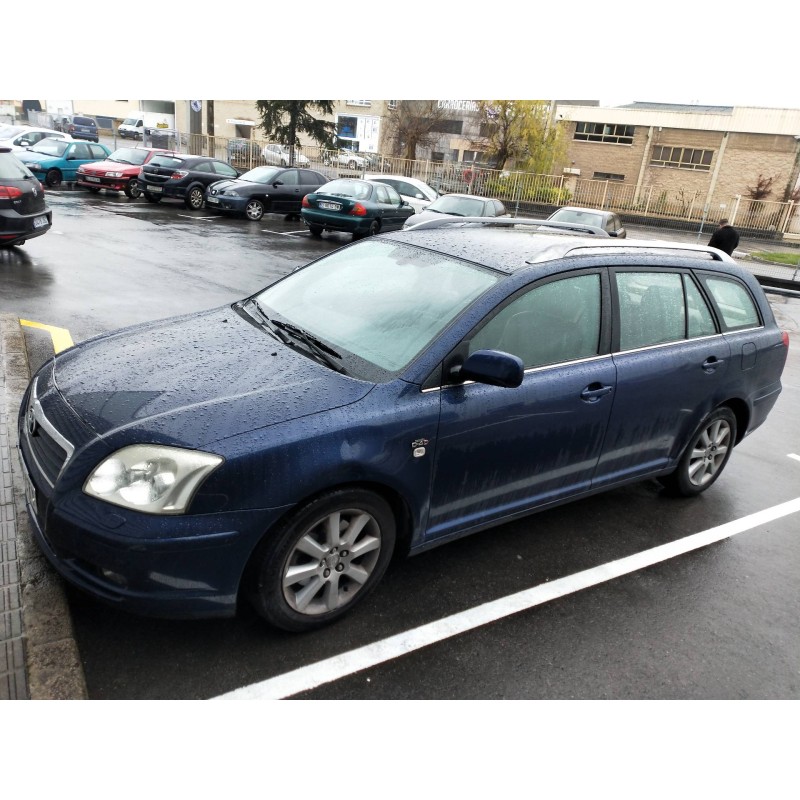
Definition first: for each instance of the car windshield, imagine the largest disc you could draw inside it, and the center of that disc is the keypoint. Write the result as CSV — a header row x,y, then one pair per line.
x,y
129,155
50,147
129,121
347,188
260,175
582,217
374,300
458,206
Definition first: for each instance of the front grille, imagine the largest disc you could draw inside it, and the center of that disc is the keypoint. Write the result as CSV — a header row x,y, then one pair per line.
x,y
47,446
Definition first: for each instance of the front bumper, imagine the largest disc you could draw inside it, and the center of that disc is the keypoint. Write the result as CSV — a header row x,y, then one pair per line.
x,y
221,202
102,182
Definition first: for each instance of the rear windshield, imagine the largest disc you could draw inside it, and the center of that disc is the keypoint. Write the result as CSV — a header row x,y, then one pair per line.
x,y
360,190
84,121
166,161
12,169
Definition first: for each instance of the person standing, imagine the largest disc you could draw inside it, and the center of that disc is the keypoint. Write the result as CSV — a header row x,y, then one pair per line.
x,y
725,237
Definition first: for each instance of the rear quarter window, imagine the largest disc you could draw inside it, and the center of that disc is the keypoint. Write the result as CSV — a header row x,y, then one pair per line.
x,y
733,301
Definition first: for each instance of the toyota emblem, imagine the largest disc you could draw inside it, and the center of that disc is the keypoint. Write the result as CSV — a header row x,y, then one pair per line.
x,y
32,423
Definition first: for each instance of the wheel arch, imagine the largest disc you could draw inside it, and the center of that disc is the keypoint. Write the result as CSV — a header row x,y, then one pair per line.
x,y
397,503
741,411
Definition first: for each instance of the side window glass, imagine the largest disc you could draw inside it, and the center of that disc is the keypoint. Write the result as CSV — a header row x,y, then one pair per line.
x,y
394,198
556,322
81,151
97,151
381,193
308,178
225,169
733,302
700,321
289,177
651,308
203,166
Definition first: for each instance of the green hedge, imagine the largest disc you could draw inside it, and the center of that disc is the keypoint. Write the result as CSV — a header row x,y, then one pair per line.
x,y
505,189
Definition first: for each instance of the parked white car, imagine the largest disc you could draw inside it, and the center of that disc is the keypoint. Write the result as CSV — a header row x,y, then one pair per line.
x,y
415,192
20,137
279,155
345,158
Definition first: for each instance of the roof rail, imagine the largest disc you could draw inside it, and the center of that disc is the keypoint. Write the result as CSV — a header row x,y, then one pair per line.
x,y
509,222
658,244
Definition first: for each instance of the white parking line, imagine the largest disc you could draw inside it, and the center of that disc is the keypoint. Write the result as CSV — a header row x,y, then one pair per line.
x,y
795,457
198,219
286,233
331,669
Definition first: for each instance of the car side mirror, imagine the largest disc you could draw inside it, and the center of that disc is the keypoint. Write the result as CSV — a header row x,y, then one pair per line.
x,y
277,183
492,367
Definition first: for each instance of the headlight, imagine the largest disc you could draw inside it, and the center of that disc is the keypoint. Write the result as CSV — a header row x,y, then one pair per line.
x,y
114,174
230,193
34,166
152,478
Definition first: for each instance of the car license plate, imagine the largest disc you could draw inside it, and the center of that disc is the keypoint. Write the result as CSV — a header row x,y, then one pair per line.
x,y
212,199
39,222
154,188
93,180
331,206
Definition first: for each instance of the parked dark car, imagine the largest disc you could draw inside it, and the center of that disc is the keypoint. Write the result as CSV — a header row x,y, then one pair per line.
x,y
182,177
264,190
362,208
597,217
118,173
23,211
79,127
395,394
459,205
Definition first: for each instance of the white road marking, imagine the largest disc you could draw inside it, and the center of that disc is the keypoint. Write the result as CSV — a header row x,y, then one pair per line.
x,y
282,233
794,456
331,669
198,219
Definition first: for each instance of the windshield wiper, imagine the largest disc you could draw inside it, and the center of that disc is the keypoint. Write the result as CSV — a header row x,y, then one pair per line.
x,y
317,347
253,310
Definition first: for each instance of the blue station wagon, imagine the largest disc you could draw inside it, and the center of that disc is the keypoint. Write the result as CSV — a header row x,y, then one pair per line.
x,y
393,395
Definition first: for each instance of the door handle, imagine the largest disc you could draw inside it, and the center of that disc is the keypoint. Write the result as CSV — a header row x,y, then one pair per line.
x,y
594,391
711,363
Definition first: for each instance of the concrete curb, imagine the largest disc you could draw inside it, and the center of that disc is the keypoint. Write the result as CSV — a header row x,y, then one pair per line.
x,y
52,662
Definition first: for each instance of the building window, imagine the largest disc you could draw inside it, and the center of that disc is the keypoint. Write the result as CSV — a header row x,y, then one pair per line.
x,y
681,157
607,176
600,132
358,102
392,104
347,126
455,126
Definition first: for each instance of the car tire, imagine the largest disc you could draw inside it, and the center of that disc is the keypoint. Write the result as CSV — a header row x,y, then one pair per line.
x,y
254,210
151,198
53,177
705,456
194,198
92,189
315,230
132,189
322,560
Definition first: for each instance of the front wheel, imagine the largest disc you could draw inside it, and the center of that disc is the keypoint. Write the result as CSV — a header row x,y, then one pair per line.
x,y
254,210
323,560
706,456
53,177
194,198
93,189
132,189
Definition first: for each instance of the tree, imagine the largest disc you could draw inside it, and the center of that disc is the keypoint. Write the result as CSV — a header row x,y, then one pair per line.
x,y
413,124
522,130
283,120
762,189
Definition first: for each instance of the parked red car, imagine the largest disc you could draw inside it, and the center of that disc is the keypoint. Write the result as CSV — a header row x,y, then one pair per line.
x,y
119,173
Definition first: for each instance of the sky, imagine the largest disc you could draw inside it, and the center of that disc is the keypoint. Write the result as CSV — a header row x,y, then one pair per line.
x,y
682,52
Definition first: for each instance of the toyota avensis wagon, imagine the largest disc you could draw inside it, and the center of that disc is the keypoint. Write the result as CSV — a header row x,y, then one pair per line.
x,y
390,396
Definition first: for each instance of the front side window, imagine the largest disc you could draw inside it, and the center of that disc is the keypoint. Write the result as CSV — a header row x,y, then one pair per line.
x,y
552,323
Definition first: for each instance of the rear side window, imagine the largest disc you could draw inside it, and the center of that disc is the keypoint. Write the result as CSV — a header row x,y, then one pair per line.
x,y
11,169
733,301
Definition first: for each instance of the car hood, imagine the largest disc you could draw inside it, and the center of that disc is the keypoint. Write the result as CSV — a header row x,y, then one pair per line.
x,y
232,183
29,157
196,379
110,166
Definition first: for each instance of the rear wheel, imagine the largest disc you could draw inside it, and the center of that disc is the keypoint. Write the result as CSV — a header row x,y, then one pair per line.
x,y
53,177
254,210
322,560
315,230
152,198
706,456
132,189
194,198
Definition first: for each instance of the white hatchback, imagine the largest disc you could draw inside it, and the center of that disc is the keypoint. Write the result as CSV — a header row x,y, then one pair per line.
x,y
415,192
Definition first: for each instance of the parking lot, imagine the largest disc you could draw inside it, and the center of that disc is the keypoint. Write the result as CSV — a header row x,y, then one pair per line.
x,y
626,595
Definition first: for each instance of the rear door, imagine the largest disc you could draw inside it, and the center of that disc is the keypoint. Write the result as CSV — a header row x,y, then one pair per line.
x,y
672,362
